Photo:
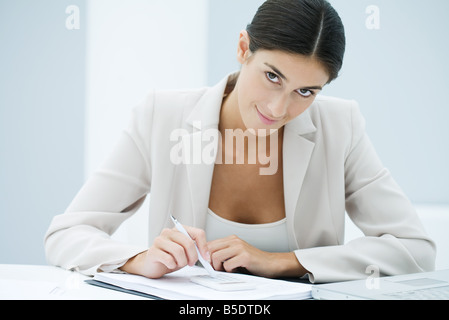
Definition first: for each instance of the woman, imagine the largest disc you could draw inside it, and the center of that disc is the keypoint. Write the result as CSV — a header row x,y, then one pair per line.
x,y
275,218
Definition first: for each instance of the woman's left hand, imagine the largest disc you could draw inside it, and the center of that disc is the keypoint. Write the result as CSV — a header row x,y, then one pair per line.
x,y
232,253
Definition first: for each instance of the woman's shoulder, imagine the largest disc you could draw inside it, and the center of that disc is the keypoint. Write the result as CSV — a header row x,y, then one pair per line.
x,y
177,100
329,103
327,107
339,120
166,107
169,100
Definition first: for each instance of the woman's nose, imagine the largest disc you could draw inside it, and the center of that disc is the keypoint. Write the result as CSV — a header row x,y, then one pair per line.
x,y
279,106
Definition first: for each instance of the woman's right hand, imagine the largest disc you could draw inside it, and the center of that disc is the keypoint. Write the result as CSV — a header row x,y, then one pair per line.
x,y
171,251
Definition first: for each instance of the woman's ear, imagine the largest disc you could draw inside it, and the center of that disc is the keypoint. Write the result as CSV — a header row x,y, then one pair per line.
x,y
243,52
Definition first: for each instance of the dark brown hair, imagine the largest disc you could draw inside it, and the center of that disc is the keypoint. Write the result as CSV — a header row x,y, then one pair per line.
x,y
307,27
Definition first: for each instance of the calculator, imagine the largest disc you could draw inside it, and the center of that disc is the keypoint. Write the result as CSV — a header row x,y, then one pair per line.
x,y
223,282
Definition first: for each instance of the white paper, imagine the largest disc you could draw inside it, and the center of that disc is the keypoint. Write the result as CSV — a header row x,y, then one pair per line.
x,y
177,286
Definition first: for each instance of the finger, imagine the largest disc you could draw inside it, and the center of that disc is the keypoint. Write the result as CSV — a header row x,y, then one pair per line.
x,y
199,236
177,245
185,241
221,256
188,245
216,256
217,264
229,253
215,245
223,243
176,255
166,259
233,264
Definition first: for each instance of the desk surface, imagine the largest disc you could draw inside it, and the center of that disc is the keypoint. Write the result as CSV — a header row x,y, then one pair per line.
x,y
51,283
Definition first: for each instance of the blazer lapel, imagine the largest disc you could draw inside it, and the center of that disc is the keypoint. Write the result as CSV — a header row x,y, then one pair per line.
x,y
203,123
297,152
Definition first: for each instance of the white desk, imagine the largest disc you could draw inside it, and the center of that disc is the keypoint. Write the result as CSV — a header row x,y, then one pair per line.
x,y
27,282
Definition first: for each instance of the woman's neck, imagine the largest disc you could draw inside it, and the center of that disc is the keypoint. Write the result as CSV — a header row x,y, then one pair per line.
x,y
230,117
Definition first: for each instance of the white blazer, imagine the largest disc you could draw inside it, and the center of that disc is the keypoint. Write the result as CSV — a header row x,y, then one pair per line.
x,y
330,167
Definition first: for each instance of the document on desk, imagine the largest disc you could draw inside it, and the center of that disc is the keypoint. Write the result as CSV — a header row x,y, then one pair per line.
x,y
178,286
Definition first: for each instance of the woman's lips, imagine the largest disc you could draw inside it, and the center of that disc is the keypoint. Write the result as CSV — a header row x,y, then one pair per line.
x,y
265,120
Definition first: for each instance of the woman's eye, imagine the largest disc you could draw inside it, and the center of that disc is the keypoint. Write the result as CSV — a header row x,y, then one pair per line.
x,y
272,77
305,93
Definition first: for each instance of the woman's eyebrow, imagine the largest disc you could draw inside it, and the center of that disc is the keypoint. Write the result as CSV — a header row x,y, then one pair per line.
x,y
313,88
276,70
285,78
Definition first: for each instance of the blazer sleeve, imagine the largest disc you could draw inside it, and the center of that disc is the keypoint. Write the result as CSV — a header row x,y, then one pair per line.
x,y
395,241
80,238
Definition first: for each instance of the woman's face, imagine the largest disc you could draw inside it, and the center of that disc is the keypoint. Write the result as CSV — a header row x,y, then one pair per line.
x,y
274,87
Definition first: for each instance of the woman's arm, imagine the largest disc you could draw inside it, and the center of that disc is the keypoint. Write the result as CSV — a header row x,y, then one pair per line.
x,y
80,238
395,241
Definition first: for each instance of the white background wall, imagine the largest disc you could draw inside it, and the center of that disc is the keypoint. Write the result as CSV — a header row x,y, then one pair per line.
x,y
42,109
79,86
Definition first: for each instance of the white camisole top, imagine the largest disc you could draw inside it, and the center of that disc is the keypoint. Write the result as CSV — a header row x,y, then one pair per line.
x,y
270,237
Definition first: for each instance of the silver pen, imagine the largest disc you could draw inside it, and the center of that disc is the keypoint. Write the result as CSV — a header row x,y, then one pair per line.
x,y
205,264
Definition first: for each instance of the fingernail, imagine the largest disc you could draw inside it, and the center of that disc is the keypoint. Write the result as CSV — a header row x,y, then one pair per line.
x,y
208,256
